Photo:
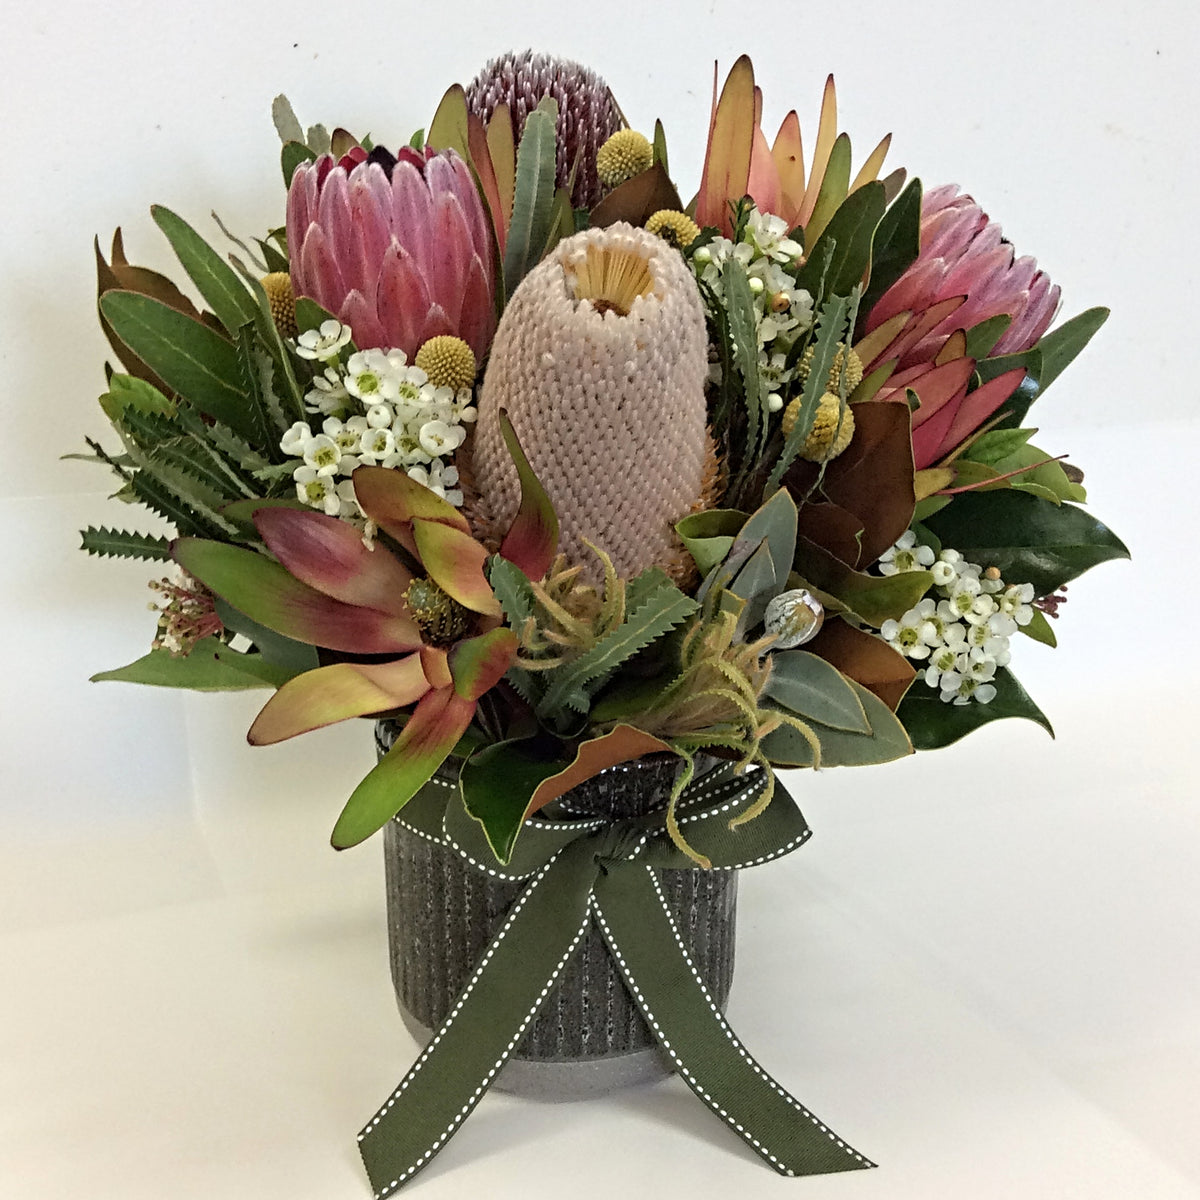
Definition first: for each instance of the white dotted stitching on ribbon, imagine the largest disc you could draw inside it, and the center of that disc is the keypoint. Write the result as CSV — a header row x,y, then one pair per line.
x,y
464,1112
737,1045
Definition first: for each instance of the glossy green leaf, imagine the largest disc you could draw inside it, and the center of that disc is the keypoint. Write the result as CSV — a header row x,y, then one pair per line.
x,y
897,243
932,723
128,392
1061,346
215,279
815,690
192,359
1027,539
997,444
1012,412
1039,629
211,666
533,198
852,229
875,598
283,652
291,156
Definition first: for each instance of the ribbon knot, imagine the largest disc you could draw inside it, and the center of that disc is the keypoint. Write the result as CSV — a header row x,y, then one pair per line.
x,y
578,872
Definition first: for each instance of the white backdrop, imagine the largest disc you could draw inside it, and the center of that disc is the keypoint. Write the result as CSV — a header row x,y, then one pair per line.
x,y
984,970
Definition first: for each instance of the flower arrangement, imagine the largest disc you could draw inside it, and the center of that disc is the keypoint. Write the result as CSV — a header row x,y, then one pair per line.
x,y
498,438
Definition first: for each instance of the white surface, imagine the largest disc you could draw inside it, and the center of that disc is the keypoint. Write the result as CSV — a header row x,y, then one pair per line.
x,y
990,967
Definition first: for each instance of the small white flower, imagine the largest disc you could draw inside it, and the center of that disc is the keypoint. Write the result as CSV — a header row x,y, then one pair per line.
x,y
380,416
317,491
296,438
377,444
912,635
345,433
1015,602
323,344
322,454
369,377
905,556
438,438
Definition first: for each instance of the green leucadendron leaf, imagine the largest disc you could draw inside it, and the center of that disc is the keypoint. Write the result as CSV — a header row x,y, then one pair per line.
x,y
1028,539
210,666
193,360
215,279
931,723
533,197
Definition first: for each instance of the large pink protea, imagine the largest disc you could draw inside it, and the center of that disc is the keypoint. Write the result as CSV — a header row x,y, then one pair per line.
x,y
399,249
963,253
587,113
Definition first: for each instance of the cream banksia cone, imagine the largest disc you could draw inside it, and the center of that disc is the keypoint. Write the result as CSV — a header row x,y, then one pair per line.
x,y
600,360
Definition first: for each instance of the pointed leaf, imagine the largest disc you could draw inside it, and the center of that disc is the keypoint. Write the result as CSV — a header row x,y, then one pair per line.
x,y
448,129
816,690
887,741
268,594
425,742
454,561
730,143
337,693
477,664
533,198
932,723
896,246
637,199
865,659
1060,346
210,666
826,137
834,189
194,361
532,539
852,230
391,499
710,535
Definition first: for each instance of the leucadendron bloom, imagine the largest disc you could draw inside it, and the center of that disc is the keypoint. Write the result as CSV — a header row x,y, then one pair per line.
x,y
600,361
397,247
432,638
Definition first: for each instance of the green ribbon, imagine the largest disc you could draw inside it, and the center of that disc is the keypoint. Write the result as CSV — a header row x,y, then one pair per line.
x,y
576,872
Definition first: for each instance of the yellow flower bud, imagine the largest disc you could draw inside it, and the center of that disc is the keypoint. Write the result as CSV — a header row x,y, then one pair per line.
x,y
626,154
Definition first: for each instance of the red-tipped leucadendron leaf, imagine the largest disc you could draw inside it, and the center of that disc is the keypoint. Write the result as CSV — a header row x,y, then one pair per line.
x,y
454,561
532,540
268,594
730,144
477,664
336,693
331,556
788,153
438,721
390,498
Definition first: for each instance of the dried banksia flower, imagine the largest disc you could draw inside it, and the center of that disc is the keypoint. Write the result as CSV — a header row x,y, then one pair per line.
x,y
587,113
600,360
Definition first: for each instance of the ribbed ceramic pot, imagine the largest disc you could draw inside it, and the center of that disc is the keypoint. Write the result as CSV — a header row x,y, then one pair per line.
x,y
590,1037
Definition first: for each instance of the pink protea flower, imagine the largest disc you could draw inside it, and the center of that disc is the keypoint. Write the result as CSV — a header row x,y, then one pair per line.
x,y
398,248
963,253
587,113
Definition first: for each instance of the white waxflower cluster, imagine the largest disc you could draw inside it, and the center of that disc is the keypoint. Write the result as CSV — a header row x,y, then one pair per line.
x,y
964,633
782,310
379,411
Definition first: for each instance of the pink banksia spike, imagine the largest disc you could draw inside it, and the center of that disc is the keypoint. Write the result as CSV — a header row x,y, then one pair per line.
x,y
397,247
587,113
600,362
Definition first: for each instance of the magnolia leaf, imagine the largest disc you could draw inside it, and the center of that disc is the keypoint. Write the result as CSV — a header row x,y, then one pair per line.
x,y
933,723
875,598
210,666
1027,539
864,659
637,199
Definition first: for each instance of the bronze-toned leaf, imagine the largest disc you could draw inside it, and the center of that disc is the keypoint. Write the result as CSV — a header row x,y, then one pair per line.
x,y
637,199
865,658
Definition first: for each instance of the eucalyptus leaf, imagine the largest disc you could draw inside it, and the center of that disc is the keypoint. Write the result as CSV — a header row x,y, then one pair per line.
x,y
192,359
709,535
933,723
887,741
815,690
215,279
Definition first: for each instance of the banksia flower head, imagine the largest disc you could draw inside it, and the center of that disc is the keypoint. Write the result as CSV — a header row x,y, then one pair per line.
x,y
278,287
587,113
398,248
600,361
963,253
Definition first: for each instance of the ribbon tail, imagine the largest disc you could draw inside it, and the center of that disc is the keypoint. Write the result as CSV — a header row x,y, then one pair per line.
x,y
507,990
641,934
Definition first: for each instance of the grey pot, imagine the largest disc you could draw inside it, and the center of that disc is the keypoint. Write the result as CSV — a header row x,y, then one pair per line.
x,y
590,1037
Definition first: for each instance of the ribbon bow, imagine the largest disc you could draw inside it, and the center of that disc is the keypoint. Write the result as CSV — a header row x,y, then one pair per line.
x,y
580,871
